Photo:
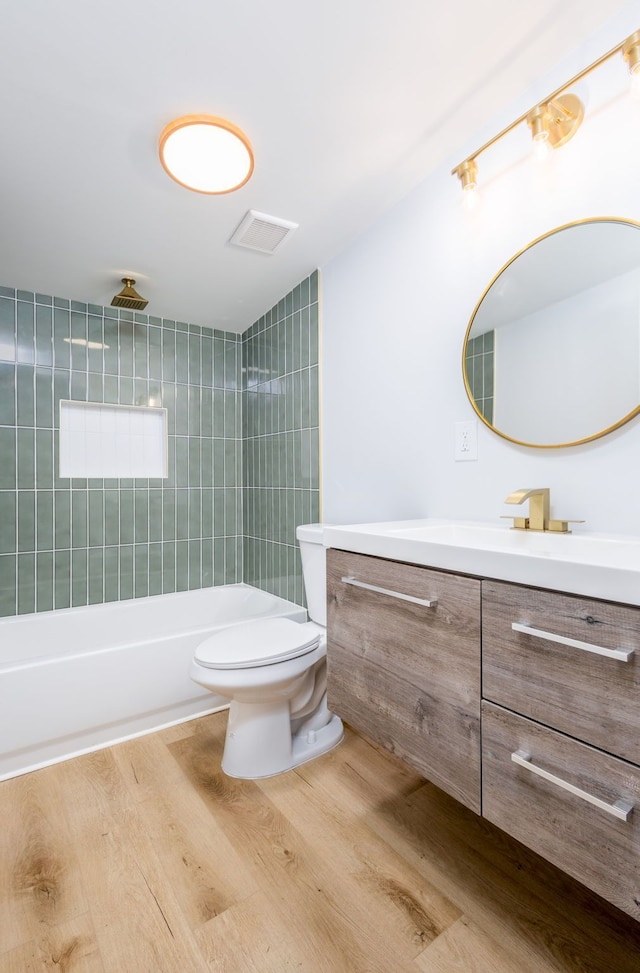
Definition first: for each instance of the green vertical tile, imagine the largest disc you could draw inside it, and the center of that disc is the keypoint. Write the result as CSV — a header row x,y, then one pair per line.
x,y
7,394
218,462
96,516
61,335
206,462
207,360
194,410
314,338
155,569
125,341
8,569
7,329
79,519
26,583
8,523
110,351
155,353
182,461
182,411
155,515
182,514
44,398
168,514
25,381
126,572
62,587
44,335
61,390
96,576
218,561
44,459
111,517
218,412
218,362
207,563
195,366
26,520
44,581
126,518
141,517
25,333
141,354
95,350
206,412
62,519
79,577
230,463
78,334
95,391
168,566
314,286
207,513
195,568
194,462
78,389
182,357
141,570
182,565
230,561
168,356
111,574
25,472
44,520
195,512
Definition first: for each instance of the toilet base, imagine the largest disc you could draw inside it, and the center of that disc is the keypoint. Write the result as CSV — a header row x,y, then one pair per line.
x,y
259,742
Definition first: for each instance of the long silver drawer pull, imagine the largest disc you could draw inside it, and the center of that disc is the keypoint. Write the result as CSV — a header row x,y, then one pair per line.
x,y
393,594
623,655
621,809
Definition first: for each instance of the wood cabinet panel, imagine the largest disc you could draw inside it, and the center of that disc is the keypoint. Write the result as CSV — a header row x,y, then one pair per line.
x,y
588,696
406,675
585,841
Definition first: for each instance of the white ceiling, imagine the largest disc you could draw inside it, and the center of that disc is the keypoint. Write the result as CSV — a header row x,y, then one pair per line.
x,y
349,104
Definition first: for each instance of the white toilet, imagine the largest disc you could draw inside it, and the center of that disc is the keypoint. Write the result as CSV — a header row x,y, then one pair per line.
x,y
274,672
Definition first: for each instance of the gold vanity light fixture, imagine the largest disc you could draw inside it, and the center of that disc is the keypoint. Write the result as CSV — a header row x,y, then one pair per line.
x,y
557,118
206,154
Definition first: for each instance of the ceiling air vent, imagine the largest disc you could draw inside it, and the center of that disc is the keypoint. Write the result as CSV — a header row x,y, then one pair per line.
x,y
258,231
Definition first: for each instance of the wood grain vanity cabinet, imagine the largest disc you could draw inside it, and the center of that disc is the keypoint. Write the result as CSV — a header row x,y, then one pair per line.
x,y
560,708
407,672
561,732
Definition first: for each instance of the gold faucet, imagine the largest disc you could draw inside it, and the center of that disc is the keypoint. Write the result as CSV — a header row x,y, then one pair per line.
x,y
539,503
539,508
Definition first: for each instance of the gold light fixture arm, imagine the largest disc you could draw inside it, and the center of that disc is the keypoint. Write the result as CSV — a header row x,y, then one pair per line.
x,y
629,48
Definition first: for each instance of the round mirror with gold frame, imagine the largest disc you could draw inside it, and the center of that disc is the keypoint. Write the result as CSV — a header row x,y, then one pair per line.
x,y
551,356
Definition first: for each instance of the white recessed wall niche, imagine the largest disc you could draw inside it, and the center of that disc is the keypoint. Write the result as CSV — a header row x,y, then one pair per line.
x,y
112,441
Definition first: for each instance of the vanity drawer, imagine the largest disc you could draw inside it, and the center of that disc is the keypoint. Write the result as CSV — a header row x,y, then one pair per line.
x,y
406,674
587,841
580,689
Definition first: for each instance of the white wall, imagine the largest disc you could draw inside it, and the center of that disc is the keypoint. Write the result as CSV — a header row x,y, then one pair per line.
x,y
396,305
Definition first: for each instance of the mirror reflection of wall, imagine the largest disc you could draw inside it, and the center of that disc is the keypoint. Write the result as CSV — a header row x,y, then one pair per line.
x,y
553,352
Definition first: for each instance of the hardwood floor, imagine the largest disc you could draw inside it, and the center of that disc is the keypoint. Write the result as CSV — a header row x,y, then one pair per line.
x,y
145,858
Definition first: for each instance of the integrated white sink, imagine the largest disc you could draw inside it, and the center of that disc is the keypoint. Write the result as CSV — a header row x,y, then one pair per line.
x,y
598,565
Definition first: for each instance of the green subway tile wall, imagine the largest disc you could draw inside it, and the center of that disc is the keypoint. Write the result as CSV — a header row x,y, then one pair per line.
x,y
74,542
281,439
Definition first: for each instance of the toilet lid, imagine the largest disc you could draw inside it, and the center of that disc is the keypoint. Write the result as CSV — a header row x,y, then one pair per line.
x,y
257,644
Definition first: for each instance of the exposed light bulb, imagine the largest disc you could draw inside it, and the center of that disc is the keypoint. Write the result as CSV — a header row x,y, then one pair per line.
x,y
470,198
542,149
635,83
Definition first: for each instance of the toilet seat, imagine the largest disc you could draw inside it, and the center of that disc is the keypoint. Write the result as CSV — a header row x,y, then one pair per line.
x,y
257,643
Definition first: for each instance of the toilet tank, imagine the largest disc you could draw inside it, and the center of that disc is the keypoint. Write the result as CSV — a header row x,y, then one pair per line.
x,y
314,570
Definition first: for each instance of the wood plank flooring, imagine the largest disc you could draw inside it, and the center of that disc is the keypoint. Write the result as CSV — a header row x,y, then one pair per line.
x,y
145,858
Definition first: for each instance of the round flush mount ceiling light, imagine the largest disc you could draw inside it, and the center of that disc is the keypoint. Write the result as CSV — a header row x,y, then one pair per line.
x,y
206,154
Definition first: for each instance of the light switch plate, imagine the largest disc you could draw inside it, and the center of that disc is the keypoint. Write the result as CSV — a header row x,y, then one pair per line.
x,y
466,441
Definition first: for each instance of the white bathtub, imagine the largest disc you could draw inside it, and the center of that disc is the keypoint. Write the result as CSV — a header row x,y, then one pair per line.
x,y
80,679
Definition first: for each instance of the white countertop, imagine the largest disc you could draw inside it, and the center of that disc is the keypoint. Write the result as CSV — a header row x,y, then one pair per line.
x,y
585,563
